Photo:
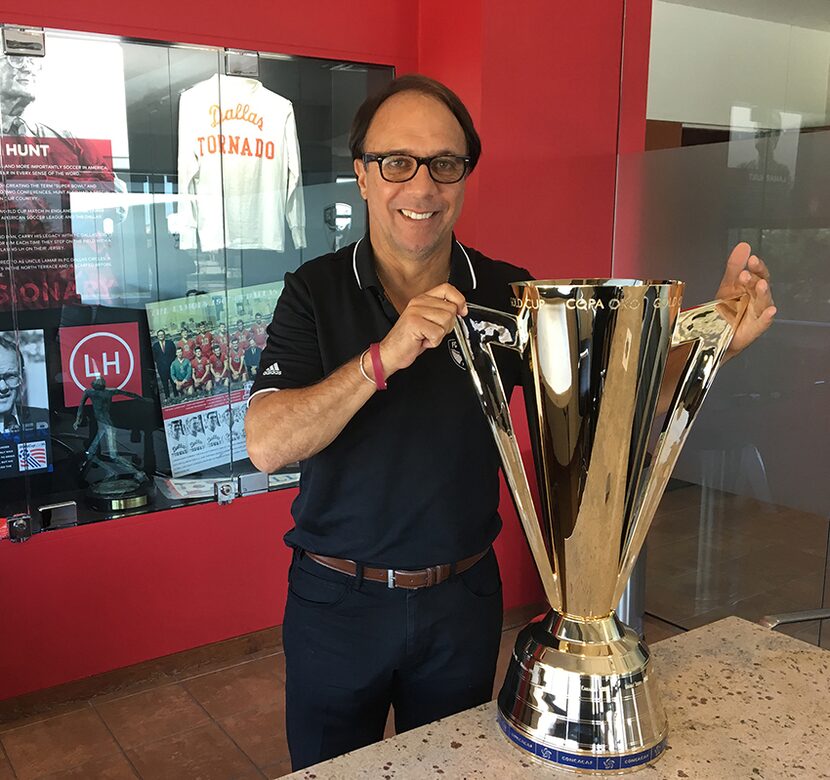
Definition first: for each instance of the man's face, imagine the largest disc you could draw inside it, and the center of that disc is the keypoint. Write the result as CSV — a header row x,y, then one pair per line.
x,y
179,353
198,352
9,369
161,335
412,219
18,78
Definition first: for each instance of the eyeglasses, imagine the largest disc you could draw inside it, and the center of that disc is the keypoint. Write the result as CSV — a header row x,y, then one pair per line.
x,y
397,168
29,63
12,380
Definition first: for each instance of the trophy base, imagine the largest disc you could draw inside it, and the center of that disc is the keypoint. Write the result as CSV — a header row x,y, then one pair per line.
x,y
119,495
581,695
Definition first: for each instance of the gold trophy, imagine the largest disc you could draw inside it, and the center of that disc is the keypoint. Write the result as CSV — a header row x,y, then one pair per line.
x,y
614,377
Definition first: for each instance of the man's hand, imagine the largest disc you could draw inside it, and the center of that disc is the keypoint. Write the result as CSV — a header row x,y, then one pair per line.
x,y
423,324
746,273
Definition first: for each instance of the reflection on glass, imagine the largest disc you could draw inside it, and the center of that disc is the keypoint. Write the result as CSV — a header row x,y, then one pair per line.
x,y
338,220
745,529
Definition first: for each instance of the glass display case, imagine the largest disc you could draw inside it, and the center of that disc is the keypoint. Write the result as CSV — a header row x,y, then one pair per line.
x,y
737,153
153,198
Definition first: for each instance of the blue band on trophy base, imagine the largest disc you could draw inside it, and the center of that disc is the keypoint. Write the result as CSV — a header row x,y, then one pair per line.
x,y
596,763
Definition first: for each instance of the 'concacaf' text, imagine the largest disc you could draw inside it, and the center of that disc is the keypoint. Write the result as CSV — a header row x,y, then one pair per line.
x,y
594,304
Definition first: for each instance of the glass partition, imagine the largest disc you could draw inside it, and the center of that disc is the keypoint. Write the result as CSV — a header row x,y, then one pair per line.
x,y
741,153
153,198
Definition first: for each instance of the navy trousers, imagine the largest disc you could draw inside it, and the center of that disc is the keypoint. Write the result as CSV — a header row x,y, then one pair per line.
x,y
353,648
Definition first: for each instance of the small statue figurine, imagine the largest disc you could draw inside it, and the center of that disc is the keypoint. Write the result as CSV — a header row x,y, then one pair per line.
x,y
115,491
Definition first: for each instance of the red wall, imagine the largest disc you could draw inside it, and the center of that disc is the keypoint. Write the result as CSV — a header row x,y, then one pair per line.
x,y
543,87
551,94
88,599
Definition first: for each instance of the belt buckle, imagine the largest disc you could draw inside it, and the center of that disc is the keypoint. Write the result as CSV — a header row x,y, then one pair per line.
x,y
390,578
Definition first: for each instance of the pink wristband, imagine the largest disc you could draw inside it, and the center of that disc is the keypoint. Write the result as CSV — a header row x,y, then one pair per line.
x,y
377,366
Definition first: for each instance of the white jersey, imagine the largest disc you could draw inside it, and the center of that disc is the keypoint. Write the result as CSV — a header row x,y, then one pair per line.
x,y
238,154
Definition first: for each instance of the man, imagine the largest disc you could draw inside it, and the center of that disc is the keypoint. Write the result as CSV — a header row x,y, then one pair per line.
x,y
176,430
197,427
164,353
19,82
258,332
202,376
15,415
185,343
219,368
212,422
11,384
19,77
204,338
236,361
181,372
394,591
220,336
251,358
25,443
241,334
765,168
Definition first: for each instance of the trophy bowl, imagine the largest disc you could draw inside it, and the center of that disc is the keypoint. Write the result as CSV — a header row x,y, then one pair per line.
x,y
614,375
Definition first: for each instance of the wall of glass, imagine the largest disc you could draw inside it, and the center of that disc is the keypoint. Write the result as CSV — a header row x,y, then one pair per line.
x,y
153,198
738,149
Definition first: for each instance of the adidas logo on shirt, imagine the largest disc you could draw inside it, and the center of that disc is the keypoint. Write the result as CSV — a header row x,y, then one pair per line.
x,y
272,370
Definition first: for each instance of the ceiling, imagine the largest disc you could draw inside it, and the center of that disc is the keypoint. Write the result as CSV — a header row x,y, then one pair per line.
x,y
812,14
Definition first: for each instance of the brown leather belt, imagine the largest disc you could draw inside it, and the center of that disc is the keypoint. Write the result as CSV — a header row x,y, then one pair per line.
x,y
395,578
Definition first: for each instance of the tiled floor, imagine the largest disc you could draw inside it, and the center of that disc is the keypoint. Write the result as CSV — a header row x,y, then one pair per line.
x,y
225,723
712,554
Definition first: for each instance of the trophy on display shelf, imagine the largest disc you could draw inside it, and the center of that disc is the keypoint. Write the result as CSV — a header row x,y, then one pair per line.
x,y
615,375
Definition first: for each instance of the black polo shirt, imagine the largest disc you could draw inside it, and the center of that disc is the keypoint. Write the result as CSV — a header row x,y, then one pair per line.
x,y
412,480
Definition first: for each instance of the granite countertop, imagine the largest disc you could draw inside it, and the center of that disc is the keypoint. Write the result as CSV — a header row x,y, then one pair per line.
x,y
742,702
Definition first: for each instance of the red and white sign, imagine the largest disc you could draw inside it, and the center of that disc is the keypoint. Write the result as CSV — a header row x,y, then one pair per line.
x,y
31,455
108,351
